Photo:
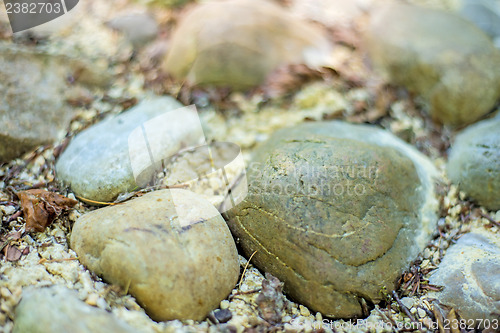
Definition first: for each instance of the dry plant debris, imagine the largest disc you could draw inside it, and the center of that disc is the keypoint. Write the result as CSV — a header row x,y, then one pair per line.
x,y
41,207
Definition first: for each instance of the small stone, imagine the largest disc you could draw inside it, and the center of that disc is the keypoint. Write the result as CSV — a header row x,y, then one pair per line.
x,y
221,316
138,28
8,210
5,293
408,302
101,303
469,274
224,304
420,49
170,249
57,309
92,299
105,160
336,210
32,110
474,162
304,311
209,48
421,313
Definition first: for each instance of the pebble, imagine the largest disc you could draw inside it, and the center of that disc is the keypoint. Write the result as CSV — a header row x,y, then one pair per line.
x,y
8,210
57,309
99,163
420,49
474,162
170,249
336,210
304,311
469,274
32,110
408,302
224,304
212,49
138,28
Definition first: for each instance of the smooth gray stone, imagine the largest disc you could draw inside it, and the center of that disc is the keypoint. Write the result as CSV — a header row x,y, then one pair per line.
x,y
32,90
470,273
139,28
57,309
456,74
474,162
99,163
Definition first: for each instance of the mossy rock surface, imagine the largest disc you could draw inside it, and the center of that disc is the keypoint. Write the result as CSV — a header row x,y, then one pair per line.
x,y
337,219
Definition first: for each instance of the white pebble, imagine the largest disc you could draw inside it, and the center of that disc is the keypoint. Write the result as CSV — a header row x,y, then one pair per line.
x,y
8,210
304,311
101,303
92,299
224,304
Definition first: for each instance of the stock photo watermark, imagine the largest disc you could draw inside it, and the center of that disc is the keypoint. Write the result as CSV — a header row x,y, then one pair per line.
x,y
24,14
364,324
151,146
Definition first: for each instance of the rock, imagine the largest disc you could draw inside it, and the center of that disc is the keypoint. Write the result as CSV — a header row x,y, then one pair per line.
x,y
336,211
485,14
57,309
170,249
420,49
474,162
108,158
139,28
32,111
238,43
469,274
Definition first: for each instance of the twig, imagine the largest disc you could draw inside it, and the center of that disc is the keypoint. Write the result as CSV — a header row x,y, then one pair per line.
x,y
15,216
239,292
489,218
246,266
431,287
403,307
43,260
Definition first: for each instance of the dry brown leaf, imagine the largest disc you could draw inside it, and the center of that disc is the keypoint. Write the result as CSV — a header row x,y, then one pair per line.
x,y
41,207
12,253
288,78
271,301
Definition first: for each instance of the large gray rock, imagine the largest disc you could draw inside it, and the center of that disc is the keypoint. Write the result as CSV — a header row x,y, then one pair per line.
x,y
32,110
170,249
457,74
107,159
474,162
336,211
57,309
470,273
